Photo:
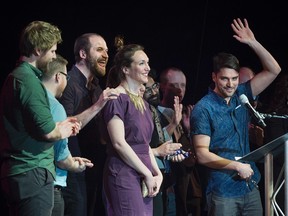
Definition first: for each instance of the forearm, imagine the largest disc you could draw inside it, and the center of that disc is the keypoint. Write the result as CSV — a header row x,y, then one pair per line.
x,y
130,158
155,168
243,170
155,152
70,164
54,135
170,128
214,161
68,127
116,132
269,72
88,114
268,61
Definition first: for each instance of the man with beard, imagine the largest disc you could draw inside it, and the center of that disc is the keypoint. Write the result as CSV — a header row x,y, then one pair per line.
x,y
27,128
84,98
161,143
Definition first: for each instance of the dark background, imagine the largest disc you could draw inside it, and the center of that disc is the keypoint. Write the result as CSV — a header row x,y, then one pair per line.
x,y
185,34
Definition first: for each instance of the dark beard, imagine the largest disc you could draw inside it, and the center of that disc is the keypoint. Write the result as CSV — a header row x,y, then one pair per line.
x,y
42,66
95,70
154,101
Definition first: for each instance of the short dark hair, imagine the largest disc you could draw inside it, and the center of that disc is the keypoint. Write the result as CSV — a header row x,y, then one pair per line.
x,y
225,60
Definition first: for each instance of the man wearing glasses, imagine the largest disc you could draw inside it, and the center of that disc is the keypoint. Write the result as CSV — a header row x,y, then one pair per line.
x,y
55,80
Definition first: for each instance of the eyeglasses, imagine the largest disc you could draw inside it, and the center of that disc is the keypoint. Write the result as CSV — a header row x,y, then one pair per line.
x,y
154,87
67,76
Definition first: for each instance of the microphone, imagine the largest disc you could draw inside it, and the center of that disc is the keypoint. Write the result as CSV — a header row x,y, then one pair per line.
x,y
244,100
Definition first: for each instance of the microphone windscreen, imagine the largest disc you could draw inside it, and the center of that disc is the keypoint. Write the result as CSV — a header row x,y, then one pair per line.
x,y
243,99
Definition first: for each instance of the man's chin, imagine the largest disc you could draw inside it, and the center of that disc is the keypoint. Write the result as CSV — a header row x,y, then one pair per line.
x,y
100,73
228,95
154,103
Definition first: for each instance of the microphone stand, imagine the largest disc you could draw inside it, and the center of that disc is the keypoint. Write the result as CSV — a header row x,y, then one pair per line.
x,y
268,116
268,160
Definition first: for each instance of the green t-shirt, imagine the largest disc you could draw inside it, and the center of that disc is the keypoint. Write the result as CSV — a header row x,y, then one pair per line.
x,y
26,118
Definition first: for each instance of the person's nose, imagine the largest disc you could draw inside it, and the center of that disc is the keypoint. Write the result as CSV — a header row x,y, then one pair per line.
x,y
105,54
229,83
154,91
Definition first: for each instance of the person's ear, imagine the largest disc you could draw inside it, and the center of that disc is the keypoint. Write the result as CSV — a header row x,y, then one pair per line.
x,y
82,53
214,76
57,77
37,52
125,70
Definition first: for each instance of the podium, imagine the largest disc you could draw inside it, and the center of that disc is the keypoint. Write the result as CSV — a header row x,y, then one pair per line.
x,y
265,154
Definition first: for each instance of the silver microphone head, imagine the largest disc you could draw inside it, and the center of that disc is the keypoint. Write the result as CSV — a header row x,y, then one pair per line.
x,y
243,99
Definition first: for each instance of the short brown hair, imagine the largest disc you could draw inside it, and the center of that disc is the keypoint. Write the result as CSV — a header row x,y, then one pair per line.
x,y
39,34
225,60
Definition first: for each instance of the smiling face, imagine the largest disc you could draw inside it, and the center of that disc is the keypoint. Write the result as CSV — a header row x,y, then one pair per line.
x,y
226,82
139,68
151,94
97,57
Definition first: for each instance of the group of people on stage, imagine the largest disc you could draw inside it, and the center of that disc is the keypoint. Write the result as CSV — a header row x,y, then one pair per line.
x,y
68,146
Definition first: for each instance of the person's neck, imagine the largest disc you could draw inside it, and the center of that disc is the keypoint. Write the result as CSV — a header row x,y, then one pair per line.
x,y
131,88
85,71
51,88
165,103
31,60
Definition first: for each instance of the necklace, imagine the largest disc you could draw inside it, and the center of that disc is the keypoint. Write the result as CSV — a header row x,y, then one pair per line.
x,y
136,100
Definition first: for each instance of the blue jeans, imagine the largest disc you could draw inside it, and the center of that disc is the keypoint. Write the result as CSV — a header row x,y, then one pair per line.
x,y
247,205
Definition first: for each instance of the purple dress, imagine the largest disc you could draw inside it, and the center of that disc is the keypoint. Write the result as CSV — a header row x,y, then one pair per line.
x,y
121,182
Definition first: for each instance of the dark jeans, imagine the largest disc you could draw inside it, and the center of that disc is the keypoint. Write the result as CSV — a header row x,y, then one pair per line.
x,y
29,193
248,205
158,205
75,197
58,209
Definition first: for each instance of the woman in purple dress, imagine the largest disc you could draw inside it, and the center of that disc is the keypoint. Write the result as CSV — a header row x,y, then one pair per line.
x,y
129,123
